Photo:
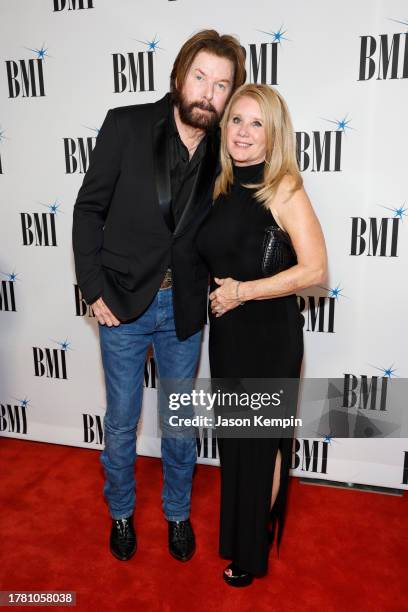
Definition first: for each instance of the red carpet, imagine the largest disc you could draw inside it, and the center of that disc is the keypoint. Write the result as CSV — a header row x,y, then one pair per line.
x,y
342,549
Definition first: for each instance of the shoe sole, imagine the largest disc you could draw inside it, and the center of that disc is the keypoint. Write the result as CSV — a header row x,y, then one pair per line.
x,y
237,582
123,558
182,559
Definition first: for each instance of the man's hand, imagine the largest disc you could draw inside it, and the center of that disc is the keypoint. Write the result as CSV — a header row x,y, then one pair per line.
x,y
103,314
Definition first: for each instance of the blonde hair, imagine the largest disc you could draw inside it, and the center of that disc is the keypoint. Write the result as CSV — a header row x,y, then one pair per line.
x,y
280,155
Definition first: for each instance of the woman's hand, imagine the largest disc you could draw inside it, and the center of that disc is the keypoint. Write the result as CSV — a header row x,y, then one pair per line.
x,y
226,297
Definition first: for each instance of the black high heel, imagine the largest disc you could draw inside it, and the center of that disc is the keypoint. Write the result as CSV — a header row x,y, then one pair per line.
x,y
236,577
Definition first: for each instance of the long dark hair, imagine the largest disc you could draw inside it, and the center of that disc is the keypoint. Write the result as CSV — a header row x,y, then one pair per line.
x,y
208,40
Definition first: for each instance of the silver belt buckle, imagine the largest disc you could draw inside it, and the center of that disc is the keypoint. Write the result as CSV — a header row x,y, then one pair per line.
x,y
167,281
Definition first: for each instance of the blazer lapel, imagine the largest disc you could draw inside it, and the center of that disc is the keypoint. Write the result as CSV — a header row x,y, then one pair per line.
x,y
203,183
162,170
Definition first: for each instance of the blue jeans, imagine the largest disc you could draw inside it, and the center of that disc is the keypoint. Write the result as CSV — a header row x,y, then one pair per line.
x,y
124,351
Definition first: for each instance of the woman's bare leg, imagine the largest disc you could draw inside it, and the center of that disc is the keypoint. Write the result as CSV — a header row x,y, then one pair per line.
x,y
276,477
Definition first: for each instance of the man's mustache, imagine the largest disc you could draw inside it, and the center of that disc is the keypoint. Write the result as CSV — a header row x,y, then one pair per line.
x,y
202,106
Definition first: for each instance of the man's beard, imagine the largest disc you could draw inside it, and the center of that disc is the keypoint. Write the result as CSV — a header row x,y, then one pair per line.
x,y
189,115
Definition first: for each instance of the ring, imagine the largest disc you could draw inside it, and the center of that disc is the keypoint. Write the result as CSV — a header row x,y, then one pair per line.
x,y
218,308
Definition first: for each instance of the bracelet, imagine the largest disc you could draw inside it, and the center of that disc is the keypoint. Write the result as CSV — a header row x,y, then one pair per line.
x,y
237,294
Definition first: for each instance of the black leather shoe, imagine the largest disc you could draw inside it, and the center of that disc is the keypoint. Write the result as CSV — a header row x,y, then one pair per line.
x,y
123,538
181,540
236,577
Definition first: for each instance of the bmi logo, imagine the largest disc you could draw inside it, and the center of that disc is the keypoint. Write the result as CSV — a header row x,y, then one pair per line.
x,y
385,56
38,229
13,416
311,456
77,152
92,425
81,307
135,71
367,393
377,236
7,294
319,316
72,5
25,77
321,151
262,59
51,362
206,443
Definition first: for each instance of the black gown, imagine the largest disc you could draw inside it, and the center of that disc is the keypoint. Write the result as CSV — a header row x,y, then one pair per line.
x,y
261,339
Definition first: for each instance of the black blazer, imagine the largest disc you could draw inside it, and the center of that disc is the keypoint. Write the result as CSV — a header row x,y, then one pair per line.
x,y
121,242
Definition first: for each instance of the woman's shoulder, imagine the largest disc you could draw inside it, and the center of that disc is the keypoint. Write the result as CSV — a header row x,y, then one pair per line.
x,y
288,185
287,191
285,196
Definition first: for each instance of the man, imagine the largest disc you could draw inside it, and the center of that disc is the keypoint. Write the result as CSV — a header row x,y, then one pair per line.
x,y
147,189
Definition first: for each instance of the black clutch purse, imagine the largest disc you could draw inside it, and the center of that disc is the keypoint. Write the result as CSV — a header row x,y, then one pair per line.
x,y
278,252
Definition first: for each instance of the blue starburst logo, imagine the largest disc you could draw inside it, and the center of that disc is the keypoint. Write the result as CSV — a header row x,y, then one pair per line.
x,y
341,124
387,372
335,292
152,45
398,212
23,402
11,276
277,36
65,345
328,438
404,21
41,53
53,207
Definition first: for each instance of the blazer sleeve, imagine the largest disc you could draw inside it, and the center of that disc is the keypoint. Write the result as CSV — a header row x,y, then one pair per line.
x,y
92,206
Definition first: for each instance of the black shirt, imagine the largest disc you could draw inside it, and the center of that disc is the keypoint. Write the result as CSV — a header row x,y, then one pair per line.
x,y
183,170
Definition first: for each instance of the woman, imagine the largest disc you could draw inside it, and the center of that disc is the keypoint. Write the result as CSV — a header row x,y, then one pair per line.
x,y
255,324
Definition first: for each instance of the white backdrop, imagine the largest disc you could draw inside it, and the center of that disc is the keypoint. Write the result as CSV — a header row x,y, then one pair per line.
x,y
57,83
